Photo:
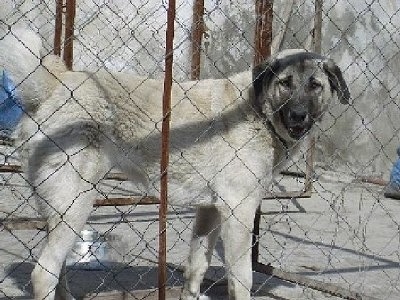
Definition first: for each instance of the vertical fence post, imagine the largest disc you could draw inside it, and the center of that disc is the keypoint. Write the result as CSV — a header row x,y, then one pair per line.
x,y
58,27
263,30
317,47
69,33
317,31
162,256
262,50
197,35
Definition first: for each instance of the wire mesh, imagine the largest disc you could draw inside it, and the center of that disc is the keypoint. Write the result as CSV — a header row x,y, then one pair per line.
x,y
346,234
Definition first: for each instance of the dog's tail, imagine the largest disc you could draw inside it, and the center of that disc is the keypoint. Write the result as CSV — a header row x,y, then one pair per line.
x,y
32,76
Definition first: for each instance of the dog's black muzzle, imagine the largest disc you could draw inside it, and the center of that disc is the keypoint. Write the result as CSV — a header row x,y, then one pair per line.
x,y
297,120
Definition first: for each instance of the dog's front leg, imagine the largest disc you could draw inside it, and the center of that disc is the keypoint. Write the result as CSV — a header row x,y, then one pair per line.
x,y
236,234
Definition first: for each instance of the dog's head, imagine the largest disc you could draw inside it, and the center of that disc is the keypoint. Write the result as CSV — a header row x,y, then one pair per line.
x,y
294,88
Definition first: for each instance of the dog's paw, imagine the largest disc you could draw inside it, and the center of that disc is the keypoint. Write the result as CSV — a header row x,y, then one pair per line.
x,y
201,297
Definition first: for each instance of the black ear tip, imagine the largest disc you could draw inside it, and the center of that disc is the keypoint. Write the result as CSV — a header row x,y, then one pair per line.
x,y
344,96
337,81
347,96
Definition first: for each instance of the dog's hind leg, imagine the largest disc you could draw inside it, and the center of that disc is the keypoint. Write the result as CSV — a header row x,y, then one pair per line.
x,y
205,235
63,231
65,195
62,289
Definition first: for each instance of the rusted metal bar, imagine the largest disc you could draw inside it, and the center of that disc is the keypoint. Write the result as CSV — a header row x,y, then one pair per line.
x,y
23,223
68,54
293,173
308,184
166,107
262,50
58,27
10,169
263,30
197,36
317,44
123,201
317,31
40,223
18,169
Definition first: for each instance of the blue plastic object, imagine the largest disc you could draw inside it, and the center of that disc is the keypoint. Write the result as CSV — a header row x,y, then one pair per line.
x,y
11,110
395,174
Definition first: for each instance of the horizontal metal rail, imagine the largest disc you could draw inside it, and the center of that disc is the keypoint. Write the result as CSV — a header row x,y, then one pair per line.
x,y
26,223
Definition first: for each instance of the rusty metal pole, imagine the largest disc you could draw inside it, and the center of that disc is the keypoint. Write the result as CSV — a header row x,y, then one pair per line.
x,y
197,36
169,51
58,27
317,40
262,49
317,47
69,33
263,30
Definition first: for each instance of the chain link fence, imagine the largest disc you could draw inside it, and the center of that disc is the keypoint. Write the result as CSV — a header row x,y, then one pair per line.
x,y
341,240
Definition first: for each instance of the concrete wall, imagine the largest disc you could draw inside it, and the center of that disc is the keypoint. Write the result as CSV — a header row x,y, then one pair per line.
x,y
363,38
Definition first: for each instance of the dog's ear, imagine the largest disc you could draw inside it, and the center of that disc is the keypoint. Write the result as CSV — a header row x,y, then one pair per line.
x,y
263,74
336,80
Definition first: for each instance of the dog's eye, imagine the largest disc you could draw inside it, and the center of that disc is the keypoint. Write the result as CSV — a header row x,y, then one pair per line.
x,y
314,84
285,82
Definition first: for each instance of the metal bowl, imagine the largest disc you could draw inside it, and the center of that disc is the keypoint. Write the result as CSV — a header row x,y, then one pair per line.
x,y
91,251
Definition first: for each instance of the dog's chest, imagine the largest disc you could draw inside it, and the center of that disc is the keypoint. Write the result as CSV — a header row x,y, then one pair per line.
x,y
240,160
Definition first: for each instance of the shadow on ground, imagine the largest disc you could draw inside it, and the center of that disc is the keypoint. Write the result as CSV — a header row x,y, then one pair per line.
x,y
123,278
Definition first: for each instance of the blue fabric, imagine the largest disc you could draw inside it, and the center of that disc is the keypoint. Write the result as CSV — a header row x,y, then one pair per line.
x,y
395,174
10,105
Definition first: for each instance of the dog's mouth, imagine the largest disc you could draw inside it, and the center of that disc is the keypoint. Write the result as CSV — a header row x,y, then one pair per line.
x,y
297,131
296,126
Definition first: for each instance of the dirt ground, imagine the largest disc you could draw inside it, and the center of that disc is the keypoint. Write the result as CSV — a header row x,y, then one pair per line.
x,y
346,235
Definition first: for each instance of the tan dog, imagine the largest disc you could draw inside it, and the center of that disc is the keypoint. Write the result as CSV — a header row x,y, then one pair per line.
x,y
224,136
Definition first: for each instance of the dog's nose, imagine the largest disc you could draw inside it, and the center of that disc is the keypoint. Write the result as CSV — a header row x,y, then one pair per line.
x,y
298,115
